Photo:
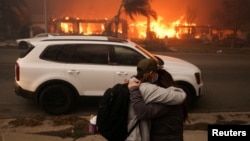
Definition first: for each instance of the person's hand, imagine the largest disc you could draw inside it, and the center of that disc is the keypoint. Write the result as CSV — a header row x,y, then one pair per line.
x,y
134,84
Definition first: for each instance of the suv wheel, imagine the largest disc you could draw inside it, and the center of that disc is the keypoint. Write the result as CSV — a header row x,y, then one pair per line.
x,y
56,99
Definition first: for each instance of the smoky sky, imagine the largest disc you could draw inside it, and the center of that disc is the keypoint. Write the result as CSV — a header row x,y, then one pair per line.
x,y
170,10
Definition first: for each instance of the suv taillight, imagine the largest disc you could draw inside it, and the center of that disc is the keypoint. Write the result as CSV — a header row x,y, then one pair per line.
x,y
17,72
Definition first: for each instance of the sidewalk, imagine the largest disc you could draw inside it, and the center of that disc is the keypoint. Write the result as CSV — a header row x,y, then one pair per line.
x,y
189,135
195,128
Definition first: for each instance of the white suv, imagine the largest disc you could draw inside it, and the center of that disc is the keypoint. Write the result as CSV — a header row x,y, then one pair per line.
x,y
55,71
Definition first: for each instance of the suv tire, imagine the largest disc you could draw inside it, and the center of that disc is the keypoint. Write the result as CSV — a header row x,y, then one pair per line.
x,y
56,99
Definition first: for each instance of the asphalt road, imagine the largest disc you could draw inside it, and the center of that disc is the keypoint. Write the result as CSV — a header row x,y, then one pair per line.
x,y
226,81
226,78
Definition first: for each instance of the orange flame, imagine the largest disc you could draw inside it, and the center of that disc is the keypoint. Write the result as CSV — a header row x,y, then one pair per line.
x,y
67,27
159,27
91,28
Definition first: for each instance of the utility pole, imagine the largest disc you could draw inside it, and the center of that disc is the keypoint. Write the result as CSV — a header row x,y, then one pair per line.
x,y
45,16
3,20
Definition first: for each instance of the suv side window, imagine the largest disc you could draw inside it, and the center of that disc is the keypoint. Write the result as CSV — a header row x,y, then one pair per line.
x,y
26,52
60,53
91,53
77,53
127,56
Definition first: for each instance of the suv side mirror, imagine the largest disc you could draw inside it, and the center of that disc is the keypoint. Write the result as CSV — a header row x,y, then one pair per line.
x,y
161,62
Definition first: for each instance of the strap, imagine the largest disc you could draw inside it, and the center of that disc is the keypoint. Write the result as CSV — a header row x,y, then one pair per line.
x,y
130,131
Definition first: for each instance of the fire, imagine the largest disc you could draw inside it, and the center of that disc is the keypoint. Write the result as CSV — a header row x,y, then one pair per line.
x,y
91,28
160,28
67,27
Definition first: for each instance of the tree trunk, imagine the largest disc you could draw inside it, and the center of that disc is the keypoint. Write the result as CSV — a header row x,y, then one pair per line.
x,y
148,33
234,36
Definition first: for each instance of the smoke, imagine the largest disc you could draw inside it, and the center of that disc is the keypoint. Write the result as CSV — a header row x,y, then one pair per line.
x,y
90,9
170,10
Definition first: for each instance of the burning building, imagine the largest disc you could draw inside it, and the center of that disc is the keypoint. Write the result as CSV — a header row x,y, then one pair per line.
x,y
136,29
69,25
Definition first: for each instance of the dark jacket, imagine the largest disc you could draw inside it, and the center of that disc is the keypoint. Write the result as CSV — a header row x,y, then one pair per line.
x,y
168,127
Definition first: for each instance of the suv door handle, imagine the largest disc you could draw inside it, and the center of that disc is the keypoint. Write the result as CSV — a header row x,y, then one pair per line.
x,y
73,71
121,73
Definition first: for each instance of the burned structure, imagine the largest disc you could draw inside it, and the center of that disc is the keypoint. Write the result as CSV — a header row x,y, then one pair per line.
x,y
76,26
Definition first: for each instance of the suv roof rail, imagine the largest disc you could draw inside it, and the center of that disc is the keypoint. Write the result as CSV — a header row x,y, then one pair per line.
x,y
84,38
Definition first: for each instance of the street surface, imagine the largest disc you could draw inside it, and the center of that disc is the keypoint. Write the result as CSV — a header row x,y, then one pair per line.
x,y
226,78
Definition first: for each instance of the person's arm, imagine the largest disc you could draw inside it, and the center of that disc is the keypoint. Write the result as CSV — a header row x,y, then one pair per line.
x,y
156,94
143,110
